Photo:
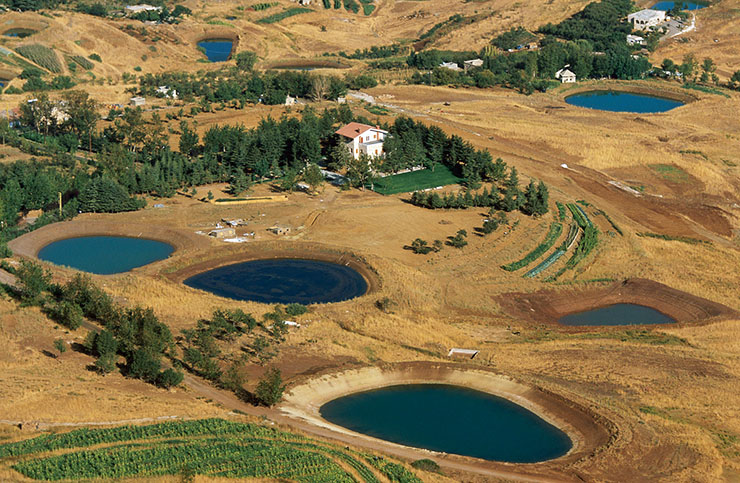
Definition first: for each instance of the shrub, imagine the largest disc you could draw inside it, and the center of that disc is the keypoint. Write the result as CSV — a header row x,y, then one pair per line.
x,y
426,465
169,378
296,309
33,279
283,15
95,57
270,388
69,314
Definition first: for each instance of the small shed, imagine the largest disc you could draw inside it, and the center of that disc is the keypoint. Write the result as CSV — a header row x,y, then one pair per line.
x,y
450,65
137,101
462,353
221,233
280,229
289,101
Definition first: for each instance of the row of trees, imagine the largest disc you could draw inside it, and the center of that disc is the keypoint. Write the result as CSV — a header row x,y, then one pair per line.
x,y
533,201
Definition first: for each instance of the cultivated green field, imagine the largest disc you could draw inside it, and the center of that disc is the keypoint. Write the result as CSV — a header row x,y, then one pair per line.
x,y
212,447
417,180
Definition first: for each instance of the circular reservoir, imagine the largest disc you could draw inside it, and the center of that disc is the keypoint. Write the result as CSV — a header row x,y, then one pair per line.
x,y
105,255
618,101
217,50
282,281
617,314
19,33
450,419
668,6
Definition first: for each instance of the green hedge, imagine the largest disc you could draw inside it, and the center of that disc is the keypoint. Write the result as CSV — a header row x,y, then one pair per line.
x,y
552,235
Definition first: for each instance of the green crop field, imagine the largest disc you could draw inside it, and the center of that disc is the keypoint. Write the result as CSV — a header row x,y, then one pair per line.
x,y
210,447
416,180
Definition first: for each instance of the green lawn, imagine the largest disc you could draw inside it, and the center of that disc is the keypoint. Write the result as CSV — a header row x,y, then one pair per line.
x,y
416,180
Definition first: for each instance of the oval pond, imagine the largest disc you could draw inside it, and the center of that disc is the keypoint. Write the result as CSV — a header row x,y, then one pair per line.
x,y
668,6
617,101
282,281
618,314
20,33
450,419
217,50
105,255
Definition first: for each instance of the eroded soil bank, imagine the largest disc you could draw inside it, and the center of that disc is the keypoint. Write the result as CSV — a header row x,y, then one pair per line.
x,y
548,306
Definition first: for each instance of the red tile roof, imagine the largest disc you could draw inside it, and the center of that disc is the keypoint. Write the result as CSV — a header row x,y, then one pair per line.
x,y
353,129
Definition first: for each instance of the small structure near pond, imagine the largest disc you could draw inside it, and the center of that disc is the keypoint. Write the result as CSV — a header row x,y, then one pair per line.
x,y
221,233
462,353
565,75
279,229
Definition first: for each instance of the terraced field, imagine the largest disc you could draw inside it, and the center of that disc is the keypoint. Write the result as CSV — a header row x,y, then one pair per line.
x,y
211,447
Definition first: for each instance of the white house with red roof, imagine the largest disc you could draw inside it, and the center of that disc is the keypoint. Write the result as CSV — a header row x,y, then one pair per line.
x,y
361,138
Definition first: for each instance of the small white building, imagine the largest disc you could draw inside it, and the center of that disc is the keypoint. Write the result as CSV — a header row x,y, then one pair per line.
x,y
472,63
565,75
450,65
289,101
645,19
167,92
361,138
134,9
137,101
635,40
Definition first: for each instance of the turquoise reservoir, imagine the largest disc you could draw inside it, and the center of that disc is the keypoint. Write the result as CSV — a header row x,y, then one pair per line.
x,y
282,281
618,314
617,101
217,50
667,6
450,419
105,255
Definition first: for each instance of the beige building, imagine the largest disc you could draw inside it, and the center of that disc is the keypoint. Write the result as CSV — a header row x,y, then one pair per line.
x,y
646,19
361,138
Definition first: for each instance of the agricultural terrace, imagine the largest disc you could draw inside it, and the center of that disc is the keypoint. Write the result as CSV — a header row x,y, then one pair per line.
x,y
208,447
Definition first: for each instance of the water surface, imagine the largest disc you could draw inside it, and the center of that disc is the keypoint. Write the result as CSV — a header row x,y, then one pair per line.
x,y
19,33
282,281
618,314
105,255
667,6
450,419
217,50
617,101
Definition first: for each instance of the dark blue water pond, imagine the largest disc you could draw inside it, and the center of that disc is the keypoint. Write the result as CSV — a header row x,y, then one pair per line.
x,y
217,50
282,281
19,33
105,255
667,6
616,101
618,314
450,419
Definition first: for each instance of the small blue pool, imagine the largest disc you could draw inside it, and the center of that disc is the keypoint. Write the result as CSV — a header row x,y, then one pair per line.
x,y
617,101
618,314
105,255
667,6
217,50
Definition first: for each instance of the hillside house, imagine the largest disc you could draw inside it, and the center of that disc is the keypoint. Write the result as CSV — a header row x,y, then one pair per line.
x,y
635,40
361,138
646,19
450,65
134,9
165,91
137,101
289,101
472,63
279,229
565,75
